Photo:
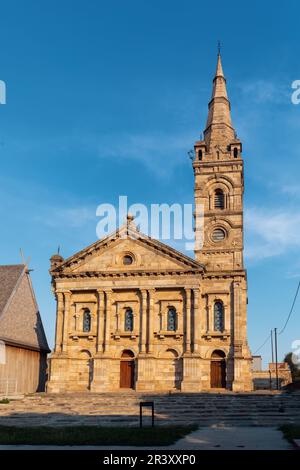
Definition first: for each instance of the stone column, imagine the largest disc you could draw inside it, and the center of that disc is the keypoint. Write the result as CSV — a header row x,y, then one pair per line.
x,y
105,373
59,321
107,320
146,363
143,328
67,296
236,310
211,314
207,314
227,317
188,320
192,364
197,320
242,380
151,320
76,315
100,321
164,317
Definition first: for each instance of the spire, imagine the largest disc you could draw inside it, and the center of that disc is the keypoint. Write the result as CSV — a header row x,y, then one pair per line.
x,y
219,130
219,71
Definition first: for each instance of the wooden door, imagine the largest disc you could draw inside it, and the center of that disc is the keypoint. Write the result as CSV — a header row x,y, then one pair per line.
x,y
127,374
218,374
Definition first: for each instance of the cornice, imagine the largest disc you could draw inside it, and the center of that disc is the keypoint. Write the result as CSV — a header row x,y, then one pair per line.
x,y
225,274
214,163
124,274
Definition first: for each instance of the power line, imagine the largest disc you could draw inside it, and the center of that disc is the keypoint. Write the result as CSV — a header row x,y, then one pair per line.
x,y
291,311
262,344
287,320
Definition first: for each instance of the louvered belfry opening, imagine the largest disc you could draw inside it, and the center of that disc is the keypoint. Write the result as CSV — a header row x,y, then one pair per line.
x,y
219,199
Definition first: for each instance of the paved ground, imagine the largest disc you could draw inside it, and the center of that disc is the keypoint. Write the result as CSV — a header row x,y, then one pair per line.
x,y
208,438
234,438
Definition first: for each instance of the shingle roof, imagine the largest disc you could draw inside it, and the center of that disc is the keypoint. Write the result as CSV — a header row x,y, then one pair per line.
x,y
9,276
20,320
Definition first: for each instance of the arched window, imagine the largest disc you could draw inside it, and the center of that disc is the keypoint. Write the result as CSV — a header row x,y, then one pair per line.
x,y
218,316
86,321
219,199
128,320
235,152
200,154
172,319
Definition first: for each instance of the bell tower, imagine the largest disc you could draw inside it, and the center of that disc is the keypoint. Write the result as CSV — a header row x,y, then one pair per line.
x,y
219,186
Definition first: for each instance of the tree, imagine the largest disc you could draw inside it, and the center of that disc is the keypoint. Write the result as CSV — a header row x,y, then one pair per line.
x,y
295,370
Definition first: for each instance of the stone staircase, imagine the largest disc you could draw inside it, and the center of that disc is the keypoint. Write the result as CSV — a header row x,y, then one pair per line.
x,y
122,409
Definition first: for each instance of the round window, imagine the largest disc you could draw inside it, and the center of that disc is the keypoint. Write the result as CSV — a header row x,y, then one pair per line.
x,y
127,260
218,235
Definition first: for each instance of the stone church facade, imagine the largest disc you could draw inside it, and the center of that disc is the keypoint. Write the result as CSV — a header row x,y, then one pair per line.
x,y
135,313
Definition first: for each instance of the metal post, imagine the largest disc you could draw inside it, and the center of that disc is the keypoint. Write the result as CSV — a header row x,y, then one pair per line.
x,y
141,421
276,359
152,409
147,404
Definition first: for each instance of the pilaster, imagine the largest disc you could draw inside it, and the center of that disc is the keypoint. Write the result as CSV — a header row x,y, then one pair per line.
x,y
67,298
108,294
59,321
100,322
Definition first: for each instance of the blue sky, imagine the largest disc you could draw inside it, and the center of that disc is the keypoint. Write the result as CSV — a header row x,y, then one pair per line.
x,y
106,98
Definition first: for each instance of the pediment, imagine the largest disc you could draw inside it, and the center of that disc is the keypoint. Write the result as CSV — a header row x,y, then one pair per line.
x,y
107,255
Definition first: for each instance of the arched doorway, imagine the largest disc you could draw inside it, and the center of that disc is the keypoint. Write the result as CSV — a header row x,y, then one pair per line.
x,y
127,369
85,370
169,370
218,370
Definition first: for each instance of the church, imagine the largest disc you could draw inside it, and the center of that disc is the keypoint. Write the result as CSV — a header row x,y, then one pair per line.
x,y
134,313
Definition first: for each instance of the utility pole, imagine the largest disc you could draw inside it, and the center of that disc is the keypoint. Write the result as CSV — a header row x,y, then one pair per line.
x,y
272,347
272,351
276,359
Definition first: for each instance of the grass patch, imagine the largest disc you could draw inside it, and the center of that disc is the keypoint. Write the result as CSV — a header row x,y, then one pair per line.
x,y
94,435
290,431
4,401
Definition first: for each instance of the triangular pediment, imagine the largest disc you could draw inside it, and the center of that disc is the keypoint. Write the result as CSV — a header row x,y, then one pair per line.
x,y
107,255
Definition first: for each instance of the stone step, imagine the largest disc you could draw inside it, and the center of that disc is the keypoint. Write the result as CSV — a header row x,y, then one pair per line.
x,y
194,399
163,410
169,402
160,404
157,410
123,409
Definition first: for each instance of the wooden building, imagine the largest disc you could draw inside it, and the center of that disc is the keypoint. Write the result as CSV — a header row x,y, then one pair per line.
x,y
23,344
